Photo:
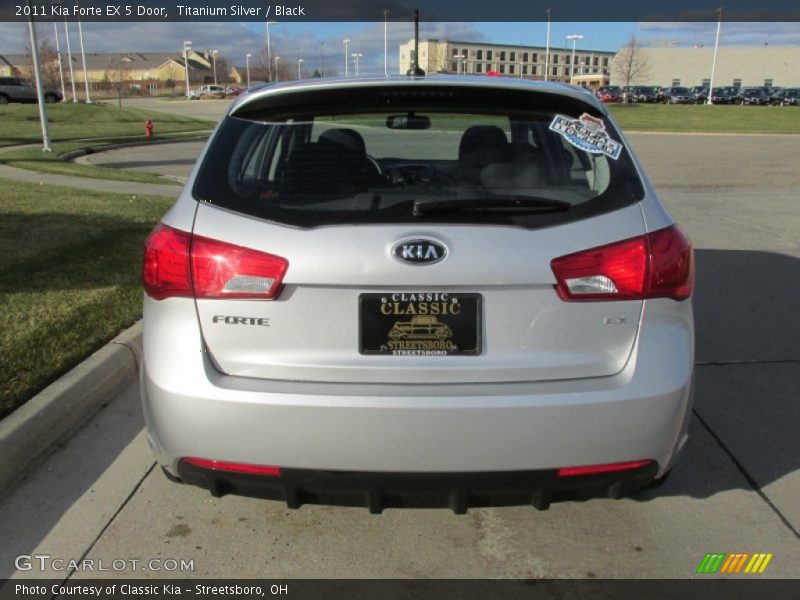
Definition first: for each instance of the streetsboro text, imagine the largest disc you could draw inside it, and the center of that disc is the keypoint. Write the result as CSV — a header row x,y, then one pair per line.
x,y
167,589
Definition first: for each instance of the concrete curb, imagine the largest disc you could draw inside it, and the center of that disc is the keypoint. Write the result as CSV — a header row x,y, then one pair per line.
x,y
28,434
71,156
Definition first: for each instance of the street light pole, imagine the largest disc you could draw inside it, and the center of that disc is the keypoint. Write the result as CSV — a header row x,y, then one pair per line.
x,y
714,61
574,38
247,67
69,61
346,43
83,60
60,66
214,63
187,45
269,52
549,12
385,43
299,72
39,88
322,52
356,56
277,75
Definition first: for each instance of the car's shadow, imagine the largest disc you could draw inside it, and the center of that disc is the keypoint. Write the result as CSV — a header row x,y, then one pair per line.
x,y
744,430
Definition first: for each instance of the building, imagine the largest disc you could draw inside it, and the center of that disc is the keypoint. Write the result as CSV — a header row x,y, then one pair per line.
x,y
736,66
474,58
150,70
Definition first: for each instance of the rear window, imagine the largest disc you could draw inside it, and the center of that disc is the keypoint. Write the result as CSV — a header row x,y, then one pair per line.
x,y
316,163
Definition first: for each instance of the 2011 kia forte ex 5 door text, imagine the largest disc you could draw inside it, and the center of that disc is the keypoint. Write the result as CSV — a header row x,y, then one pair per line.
x,y
425,291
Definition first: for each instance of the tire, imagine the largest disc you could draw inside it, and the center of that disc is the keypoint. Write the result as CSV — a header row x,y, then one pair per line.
x,y
3,99
50,98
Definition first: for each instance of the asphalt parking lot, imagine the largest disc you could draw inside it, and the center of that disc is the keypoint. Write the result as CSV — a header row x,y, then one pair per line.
x,y
736,489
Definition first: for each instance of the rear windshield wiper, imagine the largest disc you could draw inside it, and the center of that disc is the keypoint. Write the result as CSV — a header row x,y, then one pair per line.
x,y
424,206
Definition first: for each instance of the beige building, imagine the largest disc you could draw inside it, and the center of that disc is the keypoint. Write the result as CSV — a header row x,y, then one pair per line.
x,y
736,66
144,69
472,58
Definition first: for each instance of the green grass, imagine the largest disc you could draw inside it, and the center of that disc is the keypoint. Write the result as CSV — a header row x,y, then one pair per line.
x,y
96,125
70,264
707,119
70,122
34,159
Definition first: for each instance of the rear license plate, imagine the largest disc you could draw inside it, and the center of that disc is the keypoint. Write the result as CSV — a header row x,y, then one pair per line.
x,y
420,324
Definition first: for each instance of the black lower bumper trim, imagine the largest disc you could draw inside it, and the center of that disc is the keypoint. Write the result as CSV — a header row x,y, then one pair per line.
x,y
457,491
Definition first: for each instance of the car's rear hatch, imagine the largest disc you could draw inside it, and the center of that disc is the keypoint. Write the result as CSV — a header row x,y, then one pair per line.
x,y
322,325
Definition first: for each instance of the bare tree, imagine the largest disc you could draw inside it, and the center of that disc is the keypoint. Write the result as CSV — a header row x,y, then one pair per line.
x,y
48,61
630,64
439,62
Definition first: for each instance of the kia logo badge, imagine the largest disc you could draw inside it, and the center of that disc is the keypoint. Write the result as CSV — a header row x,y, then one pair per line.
x,y
419,251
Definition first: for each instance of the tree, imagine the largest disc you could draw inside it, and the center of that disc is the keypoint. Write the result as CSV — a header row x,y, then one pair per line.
x,y
48,63
223,70
630,63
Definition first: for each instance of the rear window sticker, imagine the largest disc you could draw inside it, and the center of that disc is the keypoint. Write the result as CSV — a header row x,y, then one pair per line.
x,y
587,133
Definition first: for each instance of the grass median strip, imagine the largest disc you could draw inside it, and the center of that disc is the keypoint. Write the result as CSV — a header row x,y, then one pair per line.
x,y
70,263
33,159
79,126
707,119
71,122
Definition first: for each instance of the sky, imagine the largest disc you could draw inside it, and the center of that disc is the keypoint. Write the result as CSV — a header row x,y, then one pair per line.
x,y
309,40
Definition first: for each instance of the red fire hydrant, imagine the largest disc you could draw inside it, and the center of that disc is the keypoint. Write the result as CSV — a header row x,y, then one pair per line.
x,y
148,128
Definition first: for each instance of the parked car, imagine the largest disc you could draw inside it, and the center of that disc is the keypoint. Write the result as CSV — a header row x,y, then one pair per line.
x,y
234,90
609,93
15,89
418,292
676,95
699,94
753,95
720,95
786,97
733,91
207,90
647,94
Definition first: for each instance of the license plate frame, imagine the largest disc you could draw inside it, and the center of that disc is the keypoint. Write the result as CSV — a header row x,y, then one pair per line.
x,y
435,324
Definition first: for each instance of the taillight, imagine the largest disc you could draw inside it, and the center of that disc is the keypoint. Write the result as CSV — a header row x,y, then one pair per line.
x,y
179,264
656,265
166,263
222,270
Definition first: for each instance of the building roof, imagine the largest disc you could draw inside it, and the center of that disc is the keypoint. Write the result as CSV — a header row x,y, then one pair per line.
x,y
525,46
98,61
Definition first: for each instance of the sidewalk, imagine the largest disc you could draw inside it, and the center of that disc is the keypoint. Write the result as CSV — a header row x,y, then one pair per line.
x,y
99,185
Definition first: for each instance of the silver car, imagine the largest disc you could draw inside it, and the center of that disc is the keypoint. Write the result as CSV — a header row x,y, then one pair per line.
x,y
431,291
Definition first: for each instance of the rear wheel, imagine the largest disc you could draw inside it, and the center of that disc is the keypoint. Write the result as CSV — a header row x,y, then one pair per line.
x,y
50,98
3,99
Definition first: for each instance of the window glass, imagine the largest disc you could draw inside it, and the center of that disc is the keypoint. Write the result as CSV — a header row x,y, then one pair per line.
x,y
327,165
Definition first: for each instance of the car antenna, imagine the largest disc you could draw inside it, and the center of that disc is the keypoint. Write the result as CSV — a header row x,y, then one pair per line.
x,y
415,71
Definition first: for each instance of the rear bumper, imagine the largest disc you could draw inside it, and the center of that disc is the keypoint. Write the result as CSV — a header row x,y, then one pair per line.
x,y
191,409
457,491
